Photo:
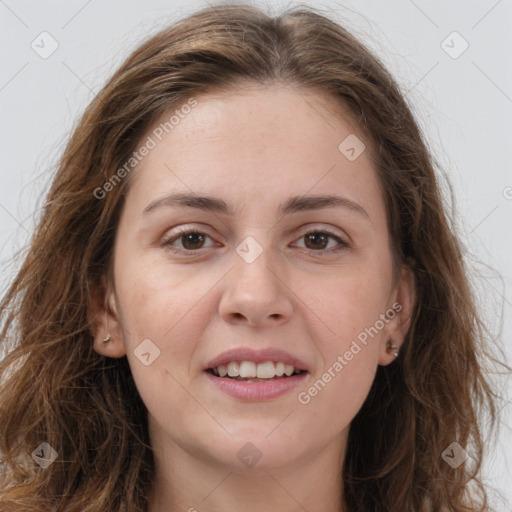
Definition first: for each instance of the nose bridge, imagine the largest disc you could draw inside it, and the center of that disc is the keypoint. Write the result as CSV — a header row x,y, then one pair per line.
x,y
255,289
252,268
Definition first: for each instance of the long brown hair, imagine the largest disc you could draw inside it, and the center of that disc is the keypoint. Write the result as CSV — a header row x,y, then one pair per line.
x,y
57,389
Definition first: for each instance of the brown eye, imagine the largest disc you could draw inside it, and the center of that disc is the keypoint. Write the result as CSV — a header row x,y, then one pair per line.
x,y
192,240
189,241
318,241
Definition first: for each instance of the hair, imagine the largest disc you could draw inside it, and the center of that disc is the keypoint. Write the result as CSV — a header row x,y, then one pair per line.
x,y
57,389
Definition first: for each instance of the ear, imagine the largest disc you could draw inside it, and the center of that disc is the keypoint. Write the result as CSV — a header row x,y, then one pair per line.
x,y
400,307
104,318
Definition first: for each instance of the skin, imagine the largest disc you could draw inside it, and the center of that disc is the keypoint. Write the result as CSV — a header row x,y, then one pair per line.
x,y
267,143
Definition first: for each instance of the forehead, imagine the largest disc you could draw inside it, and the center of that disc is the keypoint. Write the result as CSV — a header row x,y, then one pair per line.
x,y
254,144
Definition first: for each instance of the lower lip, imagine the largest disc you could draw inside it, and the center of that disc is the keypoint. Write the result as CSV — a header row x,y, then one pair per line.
x,y
254,391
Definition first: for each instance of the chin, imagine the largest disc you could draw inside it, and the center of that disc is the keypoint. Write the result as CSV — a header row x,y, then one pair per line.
x,y
246,453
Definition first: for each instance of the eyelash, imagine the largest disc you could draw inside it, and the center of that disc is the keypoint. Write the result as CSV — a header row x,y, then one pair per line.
x,y
185,231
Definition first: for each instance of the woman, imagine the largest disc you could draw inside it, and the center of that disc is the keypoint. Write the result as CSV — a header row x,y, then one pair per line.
x,y
244,292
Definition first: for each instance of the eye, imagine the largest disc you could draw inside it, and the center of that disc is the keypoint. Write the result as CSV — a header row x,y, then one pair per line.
x,y
191,240
317,241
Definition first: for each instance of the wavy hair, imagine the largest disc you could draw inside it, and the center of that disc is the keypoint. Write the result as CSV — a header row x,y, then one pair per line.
x,y
55,388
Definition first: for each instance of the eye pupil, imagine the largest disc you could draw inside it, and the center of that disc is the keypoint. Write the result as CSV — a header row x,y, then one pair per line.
x,y
192,237
318,238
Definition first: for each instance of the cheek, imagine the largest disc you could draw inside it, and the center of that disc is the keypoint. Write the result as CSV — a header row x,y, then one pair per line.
x,y
156,296
347,303
337,393
171,309
165,321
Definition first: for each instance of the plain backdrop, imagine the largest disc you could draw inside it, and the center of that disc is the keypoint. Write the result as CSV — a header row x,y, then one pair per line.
x,y
451,59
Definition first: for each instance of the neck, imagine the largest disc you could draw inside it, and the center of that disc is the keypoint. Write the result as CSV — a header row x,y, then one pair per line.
x,y
188,482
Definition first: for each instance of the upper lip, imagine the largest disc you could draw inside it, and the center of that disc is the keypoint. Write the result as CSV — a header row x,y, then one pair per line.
x,y
257,356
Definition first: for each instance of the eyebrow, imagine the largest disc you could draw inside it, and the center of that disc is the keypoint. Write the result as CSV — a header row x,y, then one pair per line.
x,y
292,205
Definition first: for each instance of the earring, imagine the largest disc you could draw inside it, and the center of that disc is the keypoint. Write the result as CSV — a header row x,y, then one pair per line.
x,y
108,338
392,348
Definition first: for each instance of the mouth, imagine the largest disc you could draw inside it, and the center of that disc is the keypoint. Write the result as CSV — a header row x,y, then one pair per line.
x,y
251,375
249,371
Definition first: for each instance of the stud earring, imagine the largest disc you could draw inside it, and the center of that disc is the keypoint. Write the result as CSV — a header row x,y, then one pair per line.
x,y
107,338
392,348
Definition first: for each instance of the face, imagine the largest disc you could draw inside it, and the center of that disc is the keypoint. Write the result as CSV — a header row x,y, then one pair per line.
x,y
269,273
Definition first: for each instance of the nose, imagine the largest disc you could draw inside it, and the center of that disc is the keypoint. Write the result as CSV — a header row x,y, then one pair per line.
x,y
256,294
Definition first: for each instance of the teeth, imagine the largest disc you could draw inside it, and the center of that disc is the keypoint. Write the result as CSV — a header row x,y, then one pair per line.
x,y
288,369
266,370
247,369
251,370
233,369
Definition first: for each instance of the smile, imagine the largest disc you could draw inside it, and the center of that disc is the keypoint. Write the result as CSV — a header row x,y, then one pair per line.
x,y
251,375
254,372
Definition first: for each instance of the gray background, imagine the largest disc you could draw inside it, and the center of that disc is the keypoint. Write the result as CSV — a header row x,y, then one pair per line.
x,y
463,104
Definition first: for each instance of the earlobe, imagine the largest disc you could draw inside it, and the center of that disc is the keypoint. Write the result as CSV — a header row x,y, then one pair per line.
x,y
389,351
392,348
405,300
107,332
109,346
